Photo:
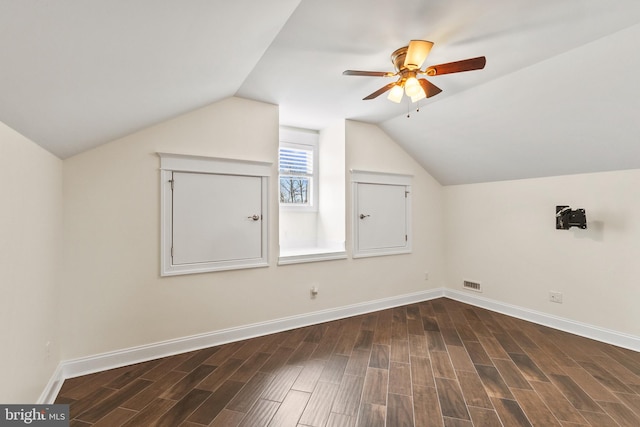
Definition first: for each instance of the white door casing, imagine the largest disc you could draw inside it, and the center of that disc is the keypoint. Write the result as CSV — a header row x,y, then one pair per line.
x,y
381,212
214,214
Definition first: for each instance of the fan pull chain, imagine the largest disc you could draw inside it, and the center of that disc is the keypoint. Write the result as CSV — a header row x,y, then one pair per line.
x,y
409,108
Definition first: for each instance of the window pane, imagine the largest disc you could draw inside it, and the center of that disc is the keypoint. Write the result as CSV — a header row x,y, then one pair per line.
x,y
294,189
293,161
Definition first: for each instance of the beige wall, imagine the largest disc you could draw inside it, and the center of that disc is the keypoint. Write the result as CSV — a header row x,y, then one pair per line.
x,y
371,149
111,229
331,216
88,251
30,257
503,235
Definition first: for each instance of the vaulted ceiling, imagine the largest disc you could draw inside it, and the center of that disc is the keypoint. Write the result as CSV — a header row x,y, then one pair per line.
x,y
559,94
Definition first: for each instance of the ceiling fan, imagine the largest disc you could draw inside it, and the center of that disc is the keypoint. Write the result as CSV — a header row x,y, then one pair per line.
x,y
408,61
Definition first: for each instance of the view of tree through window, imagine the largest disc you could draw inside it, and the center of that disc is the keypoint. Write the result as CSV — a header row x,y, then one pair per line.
x,y
294,190
296,174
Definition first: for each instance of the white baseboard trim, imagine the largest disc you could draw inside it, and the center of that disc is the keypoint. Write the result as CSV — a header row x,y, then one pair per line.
x,y
129,356
52,389
597,333
143,353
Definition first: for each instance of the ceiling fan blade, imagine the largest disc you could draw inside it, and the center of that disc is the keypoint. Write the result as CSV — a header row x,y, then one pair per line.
x,y
368,73
380,91
416,53
456,67
429,88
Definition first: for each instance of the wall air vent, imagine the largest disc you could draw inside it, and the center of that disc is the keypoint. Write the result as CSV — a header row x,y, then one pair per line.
x,y
472,286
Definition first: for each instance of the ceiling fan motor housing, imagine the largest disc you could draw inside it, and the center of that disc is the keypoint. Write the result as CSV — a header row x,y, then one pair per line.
x,y
397,58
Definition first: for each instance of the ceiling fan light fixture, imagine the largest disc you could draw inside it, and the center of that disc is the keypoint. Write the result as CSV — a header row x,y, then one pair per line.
x,y
395,95
419,96
417,52
412,87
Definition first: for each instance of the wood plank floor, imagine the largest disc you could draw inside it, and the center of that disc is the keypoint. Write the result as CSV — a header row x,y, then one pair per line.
x,y
437,363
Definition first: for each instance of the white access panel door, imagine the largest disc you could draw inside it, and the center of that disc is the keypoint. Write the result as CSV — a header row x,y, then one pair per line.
x,y
216,218
381,219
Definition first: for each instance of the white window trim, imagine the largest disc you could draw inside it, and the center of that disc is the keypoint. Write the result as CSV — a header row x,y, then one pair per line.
x,y
286,140
330,251
170,163
368,177
312,255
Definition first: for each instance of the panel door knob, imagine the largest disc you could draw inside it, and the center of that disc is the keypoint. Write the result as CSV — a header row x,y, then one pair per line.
x,y
254,217
363,216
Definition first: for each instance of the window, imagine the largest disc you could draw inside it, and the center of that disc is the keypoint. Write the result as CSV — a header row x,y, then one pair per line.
x,y
298,176
311,195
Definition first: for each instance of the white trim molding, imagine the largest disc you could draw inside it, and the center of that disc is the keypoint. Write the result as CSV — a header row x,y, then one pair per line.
x,y
302,256
50,392
375,177
171,164
597,333
129,356
363,179
203,164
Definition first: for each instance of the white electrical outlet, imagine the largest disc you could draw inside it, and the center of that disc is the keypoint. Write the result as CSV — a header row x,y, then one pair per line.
x,y
314,291
426,275
555,297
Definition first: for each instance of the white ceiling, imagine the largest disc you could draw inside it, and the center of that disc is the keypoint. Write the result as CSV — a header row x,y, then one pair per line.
x,y
559,94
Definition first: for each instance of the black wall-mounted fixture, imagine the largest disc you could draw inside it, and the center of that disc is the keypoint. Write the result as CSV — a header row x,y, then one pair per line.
x,y
567,218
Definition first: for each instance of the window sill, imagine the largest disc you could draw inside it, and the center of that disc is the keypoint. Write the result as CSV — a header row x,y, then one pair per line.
x,y
303,255
298,208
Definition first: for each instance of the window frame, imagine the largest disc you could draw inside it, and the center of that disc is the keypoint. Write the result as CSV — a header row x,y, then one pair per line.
x,y
307,145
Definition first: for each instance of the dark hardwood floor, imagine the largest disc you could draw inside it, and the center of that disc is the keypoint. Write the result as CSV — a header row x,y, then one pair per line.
x,y
436,363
